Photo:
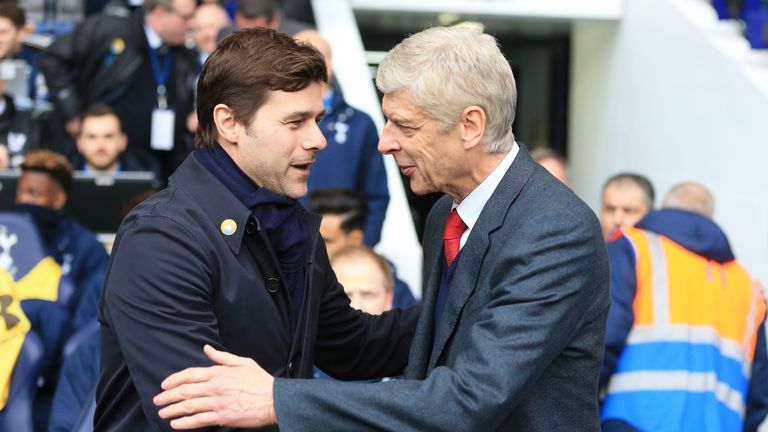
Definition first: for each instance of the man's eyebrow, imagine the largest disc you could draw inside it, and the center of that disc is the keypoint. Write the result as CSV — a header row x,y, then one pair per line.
x,y
401,121
305,114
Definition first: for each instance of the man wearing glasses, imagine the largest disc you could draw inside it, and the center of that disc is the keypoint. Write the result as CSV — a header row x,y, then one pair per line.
x,y
139,66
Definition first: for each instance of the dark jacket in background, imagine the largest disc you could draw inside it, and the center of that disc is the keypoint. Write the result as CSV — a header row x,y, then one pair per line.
x,y
18,132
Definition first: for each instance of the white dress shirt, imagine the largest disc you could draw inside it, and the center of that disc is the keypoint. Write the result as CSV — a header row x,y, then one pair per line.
x,y
470,208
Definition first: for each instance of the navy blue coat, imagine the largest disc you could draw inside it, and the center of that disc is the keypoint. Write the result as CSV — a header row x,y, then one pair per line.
x,y
176,282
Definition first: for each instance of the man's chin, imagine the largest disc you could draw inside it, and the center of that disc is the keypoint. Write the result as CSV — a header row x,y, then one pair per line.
x,y
419,188
104,166
297,191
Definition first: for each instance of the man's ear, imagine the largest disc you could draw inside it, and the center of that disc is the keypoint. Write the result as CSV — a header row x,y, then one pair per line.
x,y
59,199
226,124
122,142
356,237
473,121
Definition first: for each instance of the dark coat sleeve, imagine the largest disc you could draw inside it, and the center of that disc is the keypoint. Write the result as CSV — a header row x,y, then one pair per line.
x,y
352,345
159,304
59,63
98,50
621,316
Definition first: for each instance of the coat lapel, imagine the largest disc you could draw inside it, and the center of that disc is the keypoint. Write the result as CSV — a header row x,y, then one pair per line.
x,y
421,346
473,253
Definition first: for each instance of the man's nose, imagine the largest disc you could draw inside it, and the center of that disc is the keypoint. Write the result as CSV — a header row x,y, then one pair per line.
x,y
387,142
315,140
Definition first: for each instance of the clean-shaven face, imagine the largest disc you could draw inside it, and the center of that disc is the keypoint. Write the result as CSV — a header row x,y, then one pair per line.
x,y
364,284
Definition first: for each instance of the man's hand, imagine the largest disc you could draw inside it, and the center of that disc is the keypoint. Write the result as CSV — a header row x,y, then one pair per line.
x,y
237,393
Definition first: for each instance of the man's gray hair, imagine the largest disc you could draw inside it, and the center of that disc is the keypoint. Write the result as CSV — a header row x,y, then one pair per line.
x,y
690,196
447,69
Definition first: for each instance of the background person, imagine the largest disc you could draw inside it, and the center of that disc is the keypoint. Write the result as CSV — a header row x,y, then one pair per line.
x,y
625,199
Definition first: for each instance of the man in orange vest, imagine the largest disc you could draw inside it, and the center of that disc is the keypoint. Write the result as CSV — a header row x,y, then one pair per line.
x,y
685,338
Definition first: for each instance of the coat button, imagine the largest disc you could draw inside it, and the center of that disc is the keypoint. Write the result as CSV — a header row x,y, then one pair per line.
x,y
250,228
273,285
290,368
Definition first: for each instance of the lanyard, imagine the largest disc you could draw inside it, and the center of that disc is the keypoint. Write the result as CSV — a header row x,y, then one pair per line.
x,y
161,75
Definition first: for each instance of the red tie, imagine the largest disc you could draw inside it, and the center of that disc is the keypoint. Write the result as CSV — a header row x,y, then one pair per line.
x,y
454,228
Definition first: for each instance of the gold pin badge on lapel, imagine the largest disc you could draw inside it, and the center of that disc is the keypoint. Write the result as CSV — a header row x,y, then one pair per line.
x,y
228,227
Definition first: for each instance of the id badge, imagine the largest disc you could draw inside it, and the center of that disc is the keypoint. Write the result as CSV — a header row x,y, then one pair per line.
x,y
162,129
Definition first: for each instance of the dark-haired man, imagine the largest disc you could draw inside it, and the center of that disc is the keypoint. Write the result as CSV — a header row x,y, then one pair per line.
x,y
226,256
626,198
42,192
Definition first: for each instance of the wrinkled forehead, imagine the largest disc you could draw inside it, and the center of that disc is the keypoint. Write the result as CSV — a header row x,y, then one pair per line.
x,y
399,105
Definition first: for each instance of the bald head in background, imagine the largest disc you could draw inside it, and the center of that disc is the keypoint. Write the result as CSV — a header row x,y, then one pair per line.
x,y
207,22
553,162
690,196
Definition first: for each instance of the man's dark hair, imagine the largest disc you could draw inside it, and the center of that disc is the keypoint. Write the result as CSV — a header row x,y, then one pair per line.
x,y
639,180
150,5
99,110
244,68
55,165
251,9
347,204
14,13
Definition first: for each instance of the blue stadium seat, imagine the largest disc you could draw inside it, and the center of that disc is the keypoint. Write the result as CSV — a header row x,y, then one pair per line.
x,y
17,229
17,416
74,403
85,422
87,331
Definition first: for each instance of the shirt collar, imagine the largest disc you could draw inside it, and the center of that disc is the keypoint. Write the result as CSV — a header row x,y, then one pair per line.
x,y
473,204
152,37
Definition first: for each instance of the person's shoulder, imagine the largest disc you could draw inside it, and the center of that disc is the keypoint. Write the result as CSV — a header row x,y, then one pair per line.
x,y
169,202
108,22
556,196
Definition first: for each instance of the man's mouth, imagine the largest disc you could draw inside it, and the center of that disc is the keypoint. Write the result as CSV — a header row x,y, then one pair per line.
x,y
303,166
407,170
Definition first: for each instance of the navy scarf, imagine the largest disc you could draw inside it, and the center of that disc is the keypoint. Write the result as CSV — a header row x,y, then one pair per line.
x,y
278,215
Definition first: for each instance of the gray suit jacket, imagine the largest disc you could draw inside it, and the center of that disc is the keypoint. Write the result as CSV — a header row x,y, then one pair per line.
x,y
521,341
